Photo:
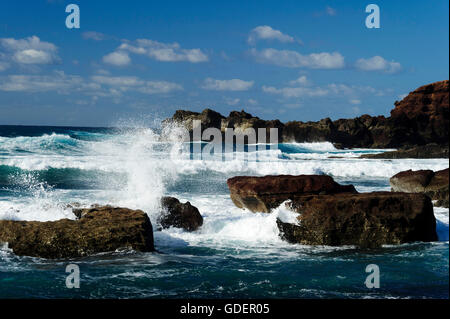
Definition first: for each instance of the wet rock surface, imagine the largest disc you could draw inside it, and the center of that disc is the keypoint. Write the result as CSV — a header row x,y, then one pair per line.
x,y
180,215
365,220
433,184
261,194
100,229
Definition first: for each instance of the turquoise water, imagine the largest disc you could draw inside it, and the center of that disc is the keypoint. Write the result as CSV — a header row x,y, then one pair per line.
x,y
236,253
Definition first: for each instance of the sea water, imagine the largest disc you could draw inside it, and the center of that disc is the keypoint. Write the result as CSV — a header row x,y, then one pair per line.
x,y
235,254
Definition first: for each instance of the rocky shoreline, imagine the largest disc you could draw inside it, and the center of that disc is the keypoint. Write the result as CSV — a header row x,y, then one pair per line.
x,y
327,213
418,126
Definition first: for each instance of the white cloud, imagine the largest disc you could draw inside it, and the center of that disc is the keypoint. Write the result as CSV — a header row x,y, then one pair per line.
x,y
39,83
295,92
97,85
252,101
164,52
227,85
124,83
233,102
29,50
330,11
302,80
293,59
32,56
93,35
377,63
266,32
336,90
117,58
158,87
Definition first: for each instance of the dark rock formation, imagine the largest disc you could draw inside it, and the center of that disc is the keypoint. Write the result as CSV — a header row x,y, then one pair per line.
x,y
365,220
433,184
261,194
179,215
421,118
100,229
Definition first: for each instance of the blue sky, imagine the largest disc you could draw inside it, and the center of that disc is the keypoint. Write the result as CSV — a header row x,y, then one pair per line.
x,y
138,61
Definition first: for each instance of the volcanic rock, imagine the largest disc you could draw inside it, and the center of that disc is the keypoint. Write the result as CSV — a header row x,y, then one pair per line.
x,y
365,220
177,214
100,229
261,194
433,184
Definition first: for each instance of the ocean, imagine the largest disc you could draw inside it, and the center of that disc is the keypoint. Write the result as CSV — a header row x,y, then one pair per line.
x,y
235,254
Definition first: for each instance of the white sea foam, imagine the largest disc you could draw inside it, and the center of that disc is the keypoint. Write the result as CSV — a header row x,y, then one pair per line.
x,y
150,166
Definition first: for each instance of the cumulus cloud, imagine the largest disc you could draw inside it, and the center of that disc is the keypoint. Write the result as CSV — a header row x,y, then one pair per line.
x,y
164,52
29,50
302,80
293,59
93,35
265,32
118,58
378,63
227,85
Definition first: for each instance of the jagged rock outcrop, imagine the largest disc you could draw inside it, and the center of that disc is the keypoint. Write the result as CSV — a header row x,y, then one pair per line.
x,y
421,118
261,194
433,184
100,229
426,110
177,214
366,220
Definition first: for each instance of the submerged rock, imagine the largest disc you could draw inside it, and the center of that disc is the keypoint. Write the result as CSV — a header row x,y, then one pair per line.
x,y
433,184
99,229
177,214
261,194
365,220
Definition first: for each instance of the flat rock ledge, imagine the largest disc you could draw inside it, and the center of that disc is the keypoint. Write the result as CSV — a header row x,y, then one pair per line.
x,y
99,229
262,194
367,220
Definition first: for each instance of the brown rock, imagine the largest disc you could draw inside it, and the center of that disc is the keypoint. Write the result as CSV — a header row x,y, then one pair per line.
x,y
433,184
100,229
364,220
179,215
261,194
